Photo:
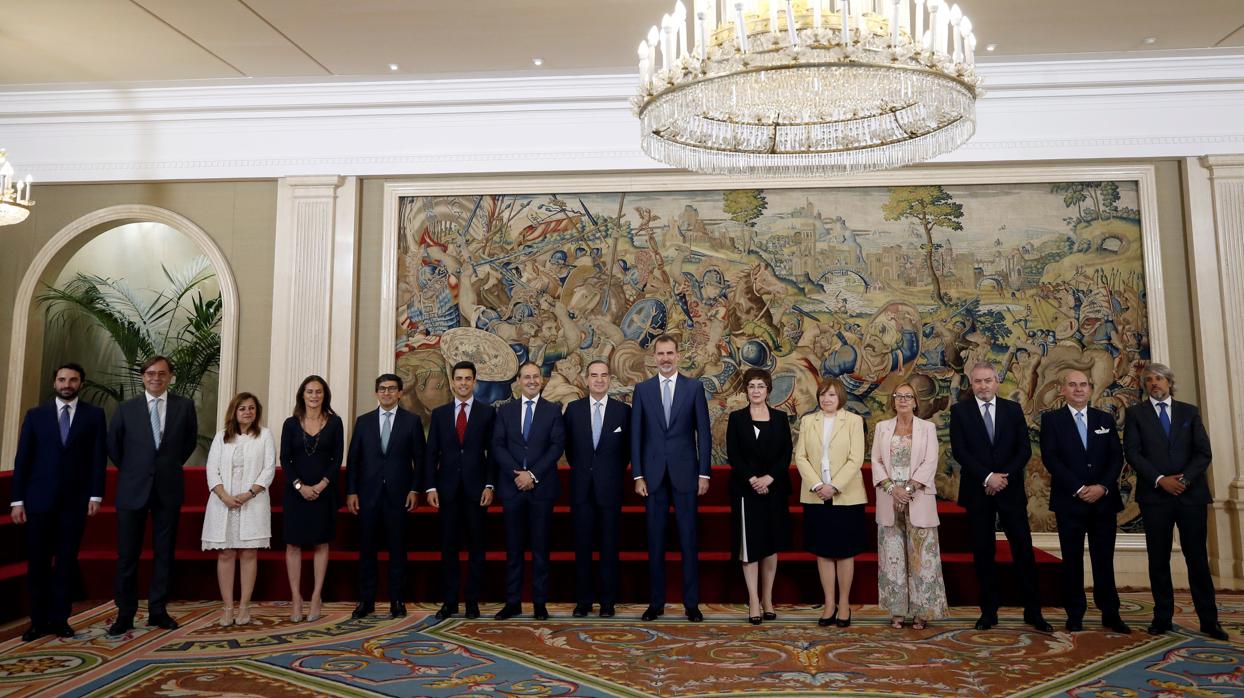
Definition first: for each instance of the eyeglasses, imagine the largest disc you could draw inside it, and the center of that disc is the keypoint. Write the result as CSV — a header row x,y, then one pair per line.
x,y
388,389
157,374
904,396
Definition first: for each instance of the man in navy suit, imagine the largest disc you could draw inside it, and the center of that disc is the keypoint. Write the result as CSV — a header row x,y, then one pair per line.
x,y
58,481
527,439
149,441
1080,447
597,448
671,444
989,440
386,450
1166,443
459,477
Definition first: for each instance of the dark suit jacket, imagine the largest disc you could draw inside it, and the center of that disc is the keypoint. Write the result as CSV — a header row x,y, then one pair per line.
x,y
450,463
541,450
1072,466
140,467
682,448
373,473
598,469
750,457
48,474
1152,454
977,458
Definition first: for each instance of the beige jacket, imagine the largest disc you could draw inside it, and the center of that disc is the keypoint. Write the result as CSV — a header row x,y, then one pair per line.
x,y
846,457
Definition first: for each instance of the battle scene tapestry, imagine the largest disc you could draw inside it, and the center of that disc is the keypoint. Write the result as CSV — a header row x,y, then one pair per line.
x,y
876,286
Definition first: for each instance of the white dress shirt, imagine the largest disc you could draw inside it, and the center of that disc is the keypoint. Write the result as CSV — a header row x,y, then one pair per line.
x,y
1084,412
993,419
827,430
163,409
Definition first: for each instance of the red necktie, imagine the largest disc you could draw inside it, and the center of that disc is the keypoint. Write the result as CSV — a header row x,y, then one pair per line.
x,y
461,423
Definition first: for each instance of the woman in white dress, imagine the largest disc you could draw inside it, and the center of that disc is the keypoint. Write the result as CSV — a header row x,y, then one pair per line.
x,y
238,519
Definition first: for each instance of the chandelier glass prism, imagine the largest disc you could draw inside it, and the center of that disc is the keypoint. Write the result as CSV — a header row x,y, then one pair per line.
x,y
804,88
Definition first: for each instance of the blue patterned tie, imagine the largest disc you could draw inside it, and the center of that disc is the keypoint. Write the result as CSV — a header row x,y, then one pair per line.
x,y
989,421
1083,429
666,399
527,419
596,424
156,431
64,424
1164,418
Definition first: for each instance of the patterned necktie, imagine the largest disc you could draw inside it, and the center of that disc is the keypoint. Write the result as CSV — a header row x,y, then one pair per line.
x,y
156,431
64,424
527,419
666,399
1165,419
596,422
989,421
1083,429
385,429
460,425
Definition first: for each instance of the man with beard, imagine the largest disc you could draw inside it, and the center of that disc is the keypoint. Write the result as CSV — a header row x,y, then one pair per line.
x,y
1166,443
58,481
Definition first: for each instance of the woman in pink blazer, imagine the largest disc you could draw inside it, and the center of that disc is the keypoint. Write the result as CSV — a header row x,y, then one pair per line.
x,y
909,559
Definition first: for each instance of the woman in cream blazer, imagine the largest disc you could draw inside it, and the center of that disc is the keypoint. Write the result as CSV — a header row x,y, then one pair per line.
x,y
909,560
829,456
238,519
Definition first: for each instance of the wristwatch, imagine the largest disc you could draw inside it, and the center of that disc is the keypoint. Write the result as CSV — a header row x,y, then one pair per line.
x,y
297,484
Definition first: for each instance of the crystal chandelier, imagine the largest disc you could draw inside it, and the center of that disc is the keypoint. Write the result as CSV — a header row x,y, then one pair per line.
x,y
799,88
15,201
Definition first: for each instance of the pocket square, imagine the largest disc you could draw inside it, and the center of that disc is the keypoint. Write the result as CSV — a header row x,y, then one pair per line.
x,y
1103,430
618,430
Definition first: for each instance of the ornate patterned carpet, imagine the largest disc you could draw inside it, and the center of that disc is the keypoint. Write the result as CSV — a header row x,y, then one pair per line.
x,y
625,657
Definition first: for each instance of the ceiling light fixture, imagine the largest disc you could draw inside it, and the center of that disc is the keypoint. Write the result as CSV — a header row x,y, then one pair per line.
x,y
393,66
15,201
537,62
1149,40
991,47
796,88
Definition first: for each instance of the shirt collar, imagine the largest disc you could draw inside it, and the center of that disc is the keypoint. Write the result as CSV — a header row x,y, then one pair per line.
x,y
1166,402
604,401
672,377
980,404
535,399
383,411
459,403
61,404
151,397
1074,411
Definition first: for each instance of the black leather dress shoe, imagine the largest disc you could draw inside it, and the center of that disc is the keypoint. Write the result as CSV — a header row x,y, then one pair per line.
x,y
1215,631
1039,623
472,609
162,621
508,611
540,612
62,630
581,610
1159,627
1116,625
607,610
1074,626
363,610
694,615
397,609
33,633
446,611
986,621
120,627
653,612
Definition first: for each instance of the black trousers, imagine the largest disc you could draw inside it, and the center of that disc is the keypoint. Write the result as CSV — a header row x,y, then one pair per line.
x,y
657,508
131,528
52,542
385,519
1100,525
592,521
1013,514
527,522
461,512
1160,522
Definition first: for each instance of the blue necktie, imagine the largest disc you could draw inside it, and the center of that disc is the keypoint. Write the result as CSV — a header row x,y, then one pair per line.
x,y
385,430
64,424
156,431
989,421
1083,428
666,399
596,423
527,419
1164,418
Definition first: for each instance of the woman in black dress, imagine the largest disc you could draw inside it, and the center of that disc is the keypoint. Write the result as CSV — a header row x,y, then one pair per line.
x,y
312,442
758,446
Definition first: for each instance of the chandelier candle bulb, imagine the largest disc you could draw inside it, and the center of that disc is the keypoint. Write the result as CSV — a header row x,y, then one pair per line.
x,y
919,33
845,10
680,22
701,21
894,23
816,15
956,16
773,21
740,25
791,28
942,37
904,16
970,41
668,32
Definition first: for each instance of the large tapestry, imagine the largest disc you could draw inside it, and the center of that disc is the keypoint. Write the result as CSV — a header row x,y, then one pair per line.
x,y
876,286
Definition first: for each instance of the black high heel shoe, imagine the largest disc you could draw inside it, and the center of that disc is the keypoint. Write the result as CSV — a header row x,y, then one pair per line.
x,y
826,622
844,623
770,615
754,620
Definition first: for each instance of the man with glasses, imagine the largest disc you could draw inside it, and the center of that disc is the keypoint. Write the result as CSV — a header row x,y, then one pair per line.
x,y
386,450
150,439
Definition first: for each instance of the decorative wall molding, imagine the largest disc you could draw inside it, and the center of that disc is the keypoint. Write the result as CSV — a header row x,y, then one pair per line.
x,y
1166,106
89,225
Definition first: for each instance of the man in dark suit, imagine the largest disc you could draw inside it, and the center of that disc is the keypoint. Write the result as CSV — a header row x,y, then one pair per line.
x,y
1166,443
386,450
459,477
1080,447
597,448
671,444
58,481
989,440
149,441
527,439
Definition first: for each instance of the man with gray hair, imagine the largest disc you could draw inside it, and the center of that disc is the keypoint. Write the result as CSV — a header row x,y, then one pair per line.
x,y
1166,443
